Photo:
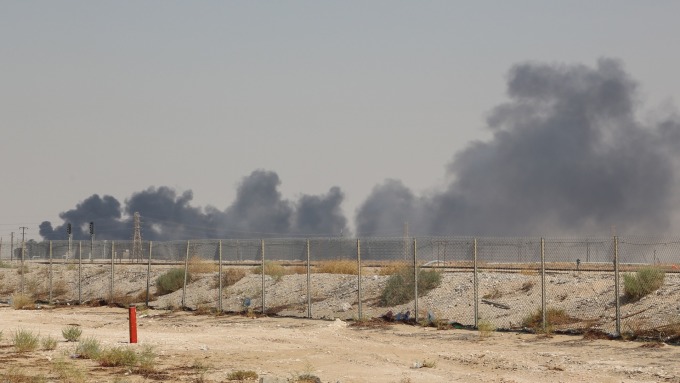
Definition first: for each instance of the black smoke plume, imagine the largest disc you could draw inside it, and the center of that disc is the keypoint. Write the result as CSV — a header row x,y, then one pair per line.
x,y
568,156
258,211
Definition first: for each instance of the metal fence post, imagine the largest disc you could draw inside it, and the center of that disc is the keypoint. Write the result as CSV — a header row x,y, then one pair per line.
x,y
543,321
475,283
359,278
415,281
148,274
309,284
186,272
50,272
80,272
219,277
616,285
113,258
263,275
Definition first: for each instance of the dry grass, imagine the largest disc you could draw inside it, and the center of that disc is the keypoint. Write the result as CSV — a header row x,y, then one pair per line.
x,y
16,375
230,277
554,317
273,269
22,302
391,268
338,266
485,328
242,375
198,265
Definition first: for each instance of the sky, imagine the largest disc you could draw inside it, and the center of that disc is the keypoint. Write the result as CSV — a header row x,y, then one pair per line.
x,y
122,98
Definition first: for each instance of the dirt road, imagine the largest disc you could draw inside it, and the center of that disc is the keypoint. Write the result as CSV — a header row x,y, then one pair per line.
x,y
195,348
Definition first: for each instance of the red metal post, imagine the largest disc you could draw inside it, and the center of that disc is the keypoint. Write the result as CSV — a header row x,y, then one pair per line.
x,y
133,324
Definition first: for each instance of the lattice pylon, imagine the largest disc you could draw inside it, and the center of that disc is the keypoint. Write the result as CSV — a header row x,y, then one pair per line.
x,y
137,238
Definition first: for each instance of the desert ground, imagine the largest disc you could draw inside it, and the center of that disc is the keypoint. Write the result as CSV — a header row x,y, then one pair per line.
x,y
207,348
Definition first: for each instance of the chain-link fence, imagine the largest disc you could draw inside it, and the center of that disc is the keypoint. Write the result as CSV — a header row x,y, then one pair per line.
x,y
581,284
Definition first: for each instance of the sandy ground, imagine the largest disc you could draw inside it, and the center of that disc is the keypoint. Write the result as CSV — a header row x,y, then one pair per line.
x,y
206,348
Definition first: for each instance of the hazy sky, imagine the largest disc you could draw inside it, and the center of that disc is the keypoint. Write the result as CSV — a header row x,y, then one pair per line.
x,y
114,97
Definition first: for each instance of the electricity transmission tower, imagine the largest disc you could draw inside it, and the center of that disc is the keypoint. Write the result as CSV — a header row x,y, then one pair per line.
x,y
137,239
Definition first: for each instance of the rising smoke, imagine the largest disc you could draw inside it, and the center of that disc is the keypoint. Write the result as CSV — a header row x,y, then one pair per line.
x,y
258,211
568,156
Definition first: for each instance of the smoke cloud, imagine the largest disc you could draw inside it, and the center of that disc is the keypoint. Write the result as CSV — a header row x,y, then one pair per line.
x,y
568,156
258,211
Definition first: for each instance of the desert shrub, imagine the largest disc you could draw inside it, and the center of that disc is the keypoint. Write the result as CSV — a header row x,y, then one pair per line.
x,y
25,340
88,348
71,333
48,343
117,356
22,301
307,378
400,286
230,276
198,265
146,360
643,282
59,287
553,317
338,266
485,328
67,371
171,281
273,269
241,375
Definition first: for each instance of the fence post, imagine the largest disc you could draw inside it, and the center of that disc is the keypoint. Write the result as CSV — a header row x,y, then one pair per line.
x,y
359,278
23,267
50,298
148,274
80,272
543,321
263,274
475,283
219,270
616,286
113,258
186,271
415,281
309,285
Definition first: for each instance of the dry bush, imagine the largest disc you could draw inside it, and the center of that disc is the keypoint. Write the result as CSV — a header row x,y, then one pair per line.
x,y
242,375
198,265
25,340
273,269
553,317
400,287
643,282
22,301
485,328
338,266
59,288
172,280
230,277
